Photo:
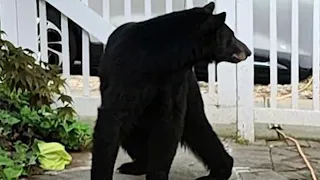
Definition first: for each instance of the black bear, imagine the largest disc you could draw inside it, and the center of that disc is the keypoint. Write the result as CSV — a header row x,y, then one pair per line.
x,y
150,96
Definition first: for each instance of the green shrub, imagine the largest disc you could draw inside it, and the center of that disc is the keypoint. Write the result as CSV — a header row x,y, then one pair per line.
x,y
28,91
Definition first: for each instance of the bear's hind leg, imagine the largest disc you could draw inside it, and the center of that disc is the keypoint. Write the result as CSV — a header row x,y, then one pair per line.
x,y
119,109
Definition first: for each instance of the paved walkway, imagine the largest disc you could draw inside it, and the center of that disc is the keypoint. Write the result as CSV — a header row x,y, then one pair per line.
x,y
272,160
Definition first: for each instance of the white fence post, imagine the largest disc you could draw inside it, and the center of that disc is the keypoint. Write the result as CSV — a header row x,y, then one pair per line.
x,y
212,67
245,118
226,72
273,54
27,24
9,20
43,30
65,50
316,55
295,53
85,59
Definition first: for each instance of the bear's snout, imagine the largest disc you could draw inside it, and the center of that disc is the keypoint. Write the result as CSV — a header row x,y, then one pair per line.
x,y
243,51
240,56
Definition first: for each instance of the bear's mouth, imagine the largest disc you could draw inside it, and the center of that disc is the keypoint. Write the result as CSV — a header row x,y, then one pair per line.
x,y
239,56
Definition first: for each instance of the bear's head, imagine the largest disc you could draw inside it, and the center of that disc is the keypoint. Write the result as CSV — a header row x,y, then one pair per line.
x,y
220,43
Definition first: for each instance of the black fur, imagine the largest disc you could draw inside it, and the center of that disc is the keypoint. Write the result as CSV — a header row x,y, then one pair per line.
x,y
148,90
198,135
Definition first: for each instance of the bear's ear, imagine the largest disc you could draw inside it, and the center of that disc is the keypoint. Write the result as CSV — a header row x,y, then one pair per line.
x,y
209,7
220,18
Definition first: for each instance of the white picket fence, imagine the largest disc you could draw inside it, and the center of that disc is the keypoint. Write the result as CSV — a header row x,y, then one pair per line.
x,y
232,104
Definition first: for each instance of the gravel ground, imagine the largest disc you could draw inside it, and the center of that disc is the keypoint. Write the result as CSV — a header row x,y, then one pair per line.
x,y
76,84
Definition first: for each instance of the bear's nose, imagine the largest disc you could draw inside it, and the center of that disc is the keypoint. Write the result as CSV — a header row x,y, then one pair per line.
x,y
248,52
243,48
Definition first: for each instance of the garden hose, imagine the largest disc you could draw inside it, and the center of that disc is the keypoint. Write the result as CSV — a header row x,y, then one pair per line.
x,y
313,174
267,99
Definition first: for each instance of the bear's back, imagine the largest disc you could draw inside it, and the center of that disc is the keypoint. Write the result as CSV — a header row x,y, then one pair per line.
x,y
155,45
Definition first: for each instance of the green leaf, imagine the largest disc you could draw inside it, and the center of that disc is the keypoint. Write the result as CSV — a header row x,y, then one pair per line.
x,y
65,98
5,161
13,172
6,118
32,160
45,125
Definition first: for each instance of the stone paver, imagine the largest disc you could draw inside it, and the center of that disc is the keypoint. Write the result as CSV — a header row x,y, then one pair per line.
x,y
296,174
302,143
262,175
252,162
286,159
288,162
314,144
251,156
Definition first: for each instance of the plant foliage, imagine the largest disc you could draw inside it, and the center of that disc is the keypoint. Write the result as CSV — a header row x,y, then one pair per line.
x,y
29,90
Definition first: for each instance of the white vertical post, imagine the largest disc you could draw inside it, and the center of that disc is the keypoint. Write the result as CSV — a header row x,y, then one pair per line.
x,y
127,10
226,72
245,118
106,10
273,53
147,9
43,30
316,48
212,73
27,24
295,53
168,6
189,4
9,20
85,59
65,50
105,14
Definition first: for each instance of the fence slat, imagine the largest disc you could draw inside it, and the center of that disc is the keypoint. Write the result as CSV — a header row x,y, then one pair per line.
x,y
245,118
189,4
105,14
273,54
9,20
65,50
127,10
212,78
43,30
106,10
227,88
169,6
147,9
295,54
27,24
85,59
212,72
316,47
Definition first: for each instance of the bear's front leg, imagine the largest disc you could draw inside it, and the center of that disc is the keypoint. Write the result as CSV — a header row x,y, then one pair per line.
x,y
136,145
202,140
163,143
166,130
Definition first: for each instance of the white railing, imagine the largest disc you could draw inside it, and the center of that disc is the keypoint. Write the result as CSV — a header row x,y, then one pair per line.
x,y
308,116
231,102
